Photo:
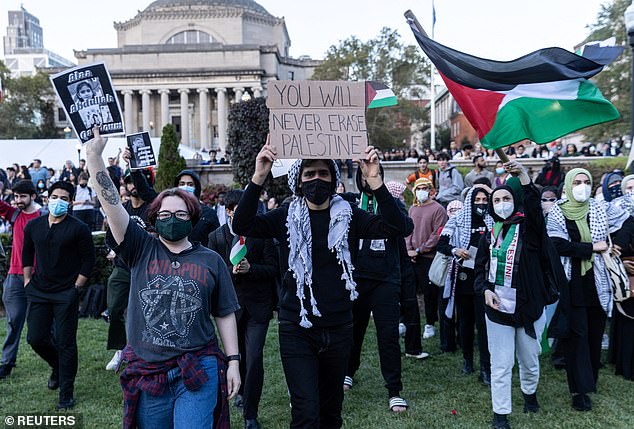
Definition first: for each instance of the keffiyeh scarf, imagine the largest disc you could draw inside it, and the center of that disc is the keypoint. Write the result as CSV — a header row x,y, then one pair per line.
x,y
605,219
300,244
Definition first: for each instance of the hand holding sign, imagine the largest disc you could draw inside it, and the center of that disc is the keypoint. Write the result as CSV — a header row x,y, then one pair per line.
x,y
97,144
264,162
370,168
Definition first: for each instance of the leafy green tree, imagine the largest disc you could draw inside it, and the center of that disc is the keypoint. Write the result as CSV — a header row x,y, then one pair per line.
x,y
385,59
28,106
615,81
248,127
170,163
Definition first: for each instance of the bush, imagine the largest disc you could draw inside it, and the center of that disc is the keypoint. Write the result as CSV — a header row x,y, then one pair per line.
x,y
170,162
248,128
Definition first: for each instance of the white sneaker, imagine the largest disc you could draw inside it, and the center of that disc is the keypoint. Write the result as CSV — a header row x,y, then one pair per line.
x,y
430,331
605,342
402,329
114,362
421,355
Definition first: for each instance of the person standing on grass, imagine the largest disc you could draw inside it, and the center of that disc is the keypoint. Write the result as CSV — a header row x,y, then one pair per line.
x,y
119,281
254,267
318,233
579,227
13,293
378,277
514,273
176,374
428,217
84,202
462,233
423,171
63,248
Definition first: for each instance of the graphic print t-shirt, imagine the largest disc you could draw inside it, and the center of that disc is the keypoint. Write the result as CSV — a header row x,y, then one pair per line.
x,y
169,309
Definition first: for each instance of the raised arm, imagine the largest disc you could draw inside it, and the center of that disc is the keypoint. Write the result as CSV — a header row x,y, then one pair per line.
x,y
107,193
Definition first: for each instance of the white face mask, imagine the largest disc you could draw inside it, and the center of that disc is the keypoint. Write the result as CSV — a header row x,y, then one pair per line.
x,y
421,195
504,209
581,193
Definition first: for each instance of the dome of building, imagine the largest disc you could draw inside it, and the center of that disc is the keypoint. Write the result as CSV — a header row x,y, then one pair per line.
x,y
247,5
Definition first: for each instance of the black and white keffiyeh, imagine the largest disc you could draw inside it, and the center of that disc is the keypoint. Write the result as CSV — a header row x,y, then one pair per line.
x,y
458,229
605,218
300,243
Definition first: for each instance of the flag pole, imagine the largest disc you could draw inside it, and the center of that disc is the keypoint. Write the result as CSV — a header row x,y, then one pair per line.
x,y
411,18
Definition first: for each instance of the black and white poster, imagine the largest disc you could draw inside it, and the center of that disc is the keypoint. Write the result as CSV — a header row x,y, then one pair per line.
x,y
142,152
88,97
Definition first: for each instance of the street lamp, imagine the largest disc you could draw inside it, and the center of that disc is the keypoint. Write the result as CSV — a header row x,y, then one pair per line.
x,y
67,131
78,147
629,26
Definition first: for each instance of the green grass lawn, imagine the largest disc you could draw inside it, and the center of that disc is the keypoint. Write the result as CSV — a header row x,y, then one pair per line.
x,y
434,387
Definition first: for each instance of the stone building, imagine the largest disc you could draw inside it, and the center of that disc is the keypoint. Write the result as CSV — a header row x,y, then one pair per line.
x,y
185,61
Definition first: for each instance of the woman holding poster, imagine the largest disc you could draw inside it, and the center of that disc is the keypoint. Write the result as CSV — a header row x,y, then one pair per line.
x,y
176,372
318,233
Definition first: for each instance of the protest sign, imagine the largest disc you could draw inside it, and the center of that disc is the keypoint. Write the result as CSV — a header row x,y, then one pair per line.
x,y
88,98
142,153
317,119
281,167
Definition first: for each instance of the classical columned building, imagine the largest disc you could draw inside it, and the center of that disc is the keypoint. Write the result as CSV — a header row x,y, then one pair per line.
x,y
185,62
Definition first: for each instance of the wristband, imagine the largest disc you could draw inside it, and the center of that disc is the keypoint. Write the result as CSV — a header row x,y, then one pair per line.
x,y
234,357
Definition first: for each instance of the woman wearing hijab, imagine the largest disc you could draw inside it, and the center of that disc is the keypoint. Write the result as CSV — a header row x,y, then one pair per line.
x,y
551,174
579,228
462,233
512,272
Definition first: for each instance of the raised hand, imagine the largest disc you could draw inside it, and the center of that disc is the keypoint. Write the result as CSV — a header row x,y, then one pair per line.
x,y
264,162
370,168
517,169
97,144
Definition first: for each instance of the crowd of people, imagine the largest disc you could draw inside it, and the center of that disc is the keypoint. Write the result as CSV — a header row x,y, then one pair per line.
x,y
501,260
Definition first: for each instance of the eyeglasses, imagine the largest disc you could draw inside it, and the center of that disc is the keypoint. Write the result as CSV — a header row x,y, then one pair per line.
x,y
549,200
180,215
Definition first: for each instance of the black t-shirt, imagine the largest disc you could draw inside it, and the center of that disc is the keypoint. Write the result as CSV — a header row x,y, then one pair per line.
x,y
169,308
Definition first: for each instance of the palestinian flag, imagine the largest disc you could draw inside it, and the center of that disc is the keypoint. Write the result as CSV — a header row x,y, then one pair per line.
x,y
378,94
541,96
238,250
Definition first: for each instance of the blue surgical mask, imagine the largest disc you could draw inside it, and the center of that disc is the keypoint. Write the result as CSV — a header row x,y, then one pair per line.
x,y
58,207
189,189
500,170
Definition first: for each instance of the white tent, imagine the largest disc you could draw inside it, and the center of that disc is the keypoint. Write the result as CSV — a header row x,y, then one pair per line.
x,y
55,152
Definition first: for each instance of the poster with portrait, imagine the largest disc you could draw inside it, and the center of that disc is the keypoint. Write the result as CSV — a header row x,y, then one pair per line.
x,y
142,153
88,98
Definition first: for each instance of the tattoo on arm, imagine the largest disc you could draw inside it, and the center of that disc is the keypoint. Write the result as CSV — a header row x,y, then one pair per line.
x,y
108,191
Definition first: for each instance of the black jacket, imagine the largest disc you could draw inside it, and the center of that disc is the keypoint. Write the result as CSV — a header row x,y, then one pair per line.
x,y
255,289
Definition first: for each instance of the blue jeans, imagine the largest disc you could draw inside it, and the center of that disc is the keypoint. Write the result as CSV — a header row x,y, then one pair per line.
x,y
15,304
178,407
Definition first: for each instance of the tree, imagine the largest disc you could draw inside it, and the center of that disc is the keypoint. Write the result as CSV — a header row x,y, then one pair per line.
x,y
28,106
170,162
385,59
248,127
615,81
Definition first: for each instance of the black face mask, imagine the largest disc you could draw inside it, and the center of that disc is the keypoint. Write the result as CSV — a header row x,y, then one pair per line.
x,y
480,209
83,185
316,191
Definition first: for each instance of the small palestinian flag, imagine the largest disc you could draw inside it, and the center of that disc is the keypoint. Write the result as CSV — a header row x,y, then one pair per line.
x,y
541,96
238,250
378,94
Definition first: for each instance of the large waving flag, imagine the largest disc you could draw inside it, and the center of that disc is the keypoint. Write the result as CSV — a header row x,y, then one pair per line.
x,y
541,96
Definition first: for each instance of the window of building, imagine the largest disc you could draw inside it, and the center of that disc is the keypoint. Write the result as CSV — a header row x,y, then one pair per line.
x,y
190,37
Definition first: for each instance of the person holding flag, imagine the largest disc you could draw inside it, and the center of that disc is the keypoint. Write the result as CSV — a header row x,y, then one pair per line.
x,y
318,233
253,265
513,272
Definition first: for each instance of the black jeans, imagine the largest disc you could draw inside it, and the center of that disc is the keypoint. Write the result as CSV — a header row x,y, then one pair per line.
x,y
431,292
251,338
382,299
583,348
470,310
117,297
314,362
60,308
447,328
410,312
86,216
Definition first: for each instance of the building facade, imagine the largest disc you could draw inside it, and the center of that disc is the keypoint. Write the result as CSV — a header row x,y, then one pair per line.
x,y
24,52
185,62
